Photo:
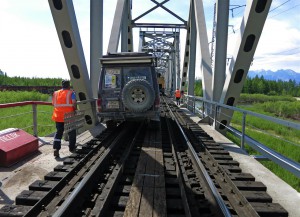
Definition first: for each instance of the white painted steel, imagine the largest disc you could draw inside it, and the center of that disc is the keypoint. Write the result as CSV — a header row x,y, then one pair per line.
x,y
204,49
69,37
219,62
96,45
250,30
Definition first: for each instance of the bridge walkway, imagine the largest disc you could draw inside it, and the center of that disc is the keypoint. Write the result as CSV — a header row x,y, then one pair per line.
x,y
18,177
279,190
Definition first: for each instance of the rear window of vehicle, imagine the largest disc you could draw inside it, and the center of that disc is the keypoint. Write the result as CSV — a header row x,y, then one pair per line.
x,y
131,73
112,78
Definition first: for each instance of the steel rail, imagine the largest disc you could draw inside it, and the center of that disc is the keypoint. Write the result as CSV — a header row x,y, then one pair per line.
x,y
101,203
41,204
69,204
279,159
208,180
188,211
243,207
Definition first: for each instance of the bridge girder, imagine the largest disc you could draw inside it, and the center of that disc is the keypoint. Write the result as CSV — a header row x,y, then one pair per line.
x,y
166,44
69,37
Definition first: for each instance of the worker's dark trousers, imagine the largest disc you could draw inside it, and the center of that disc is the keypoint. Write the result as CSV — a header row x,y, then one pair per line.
x,y
59,134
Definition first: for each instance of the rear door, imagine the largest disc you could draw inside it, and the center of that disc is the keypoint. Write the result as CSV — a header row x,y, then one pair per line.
x,y
110,89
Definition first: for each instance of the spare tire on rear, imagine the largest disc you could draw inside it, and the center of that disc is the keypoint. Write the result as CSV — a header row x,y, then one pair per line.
x,y
138,95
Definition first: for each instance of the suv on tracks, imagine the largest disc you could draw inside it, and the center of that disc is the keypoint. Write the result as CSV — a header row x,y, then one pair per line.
x,y
128,88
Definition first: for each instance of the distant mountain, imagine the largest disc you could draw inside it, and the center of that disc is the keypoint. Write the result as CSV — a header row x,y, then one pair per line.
x,y
282,74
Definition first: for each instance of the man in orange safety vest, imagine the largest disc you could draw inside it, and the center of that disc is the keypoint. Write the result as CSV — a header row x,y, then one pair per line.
x,y
64,101
177,96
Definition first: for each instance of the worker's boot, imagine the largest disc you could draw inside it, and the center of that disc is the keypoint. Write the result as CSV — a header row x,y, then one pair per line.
x,y
56,153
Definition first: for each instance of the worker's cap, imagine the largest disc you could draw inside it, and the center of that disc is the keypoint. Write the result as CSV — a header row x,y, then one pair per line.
x,y
65,83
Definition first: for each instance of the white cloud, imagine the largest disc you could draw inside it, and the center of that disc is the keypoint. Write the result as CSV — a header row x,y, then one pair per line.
x,y
29,45
278,40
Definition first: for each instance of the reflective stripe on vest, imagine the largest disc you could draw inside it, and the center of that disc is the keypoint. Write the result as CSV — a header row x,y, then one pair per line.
x,y
62,102
68,99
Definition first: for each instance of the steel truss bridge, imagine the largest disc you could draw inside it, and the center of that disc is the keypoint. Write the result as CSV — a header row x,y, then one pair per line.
x,y
221,82
176,169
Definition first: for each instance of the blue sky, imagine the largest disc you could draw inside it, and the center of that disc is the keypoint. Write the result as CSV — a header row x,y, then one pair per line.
x,y
29,46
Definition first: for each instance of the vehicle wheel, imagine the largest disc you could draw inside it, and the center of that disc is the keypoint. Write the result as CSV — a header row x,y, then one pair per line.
x,y
111,124
138,95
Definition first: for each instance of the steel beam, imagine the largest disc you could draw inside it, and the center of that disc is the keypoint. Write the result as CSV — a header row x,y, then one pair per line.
x,y
96,45
126,37
177,57
116,27
68,33
204,49
219,59
141,41
159,25
129,28
186,55
255,15
192,52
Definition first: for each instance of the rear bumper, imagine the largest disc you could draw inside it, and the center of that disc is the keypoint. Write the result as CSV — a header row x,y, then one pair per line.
x,y
148,115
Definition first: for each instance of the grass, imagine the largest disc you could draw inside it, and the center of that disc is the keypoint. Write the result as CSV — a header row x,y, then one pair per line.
x,y
24,120
283,140
22,116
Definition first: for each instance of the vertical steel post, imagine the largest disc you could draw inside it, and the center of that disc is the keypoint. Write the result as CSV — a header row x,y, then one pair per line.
x,y
203,109
124,29
204,54
219,59
215,114
194,105
96,44
34,115
177,56
243,130
192,52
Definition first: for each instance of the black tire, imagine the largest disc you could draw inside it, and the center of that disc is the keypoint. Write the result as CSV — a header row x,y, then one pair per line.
x,y
138,95
111,124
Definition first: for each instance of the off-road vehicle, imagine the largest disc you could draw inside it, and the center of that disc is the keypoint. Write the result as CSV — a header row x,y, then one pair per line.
x,y
128,88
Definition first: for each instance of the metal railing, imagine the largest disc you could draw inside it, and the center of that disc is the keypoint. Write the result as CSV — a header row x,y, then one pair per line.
x,y
211,111
34,104
34,124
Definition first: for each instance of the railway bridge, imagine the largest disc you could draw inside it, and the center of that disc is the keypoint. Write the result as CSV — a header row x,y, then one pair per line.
x,y
184,167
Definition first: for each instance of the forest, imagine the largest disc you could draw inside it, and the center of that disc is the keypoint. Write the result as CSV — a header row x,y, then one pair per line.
x,y
256,85
259,85
24,81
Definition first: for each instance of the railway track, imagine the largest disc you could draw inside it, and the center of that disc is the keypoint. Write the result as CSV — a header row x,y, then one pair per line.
x,y
133,170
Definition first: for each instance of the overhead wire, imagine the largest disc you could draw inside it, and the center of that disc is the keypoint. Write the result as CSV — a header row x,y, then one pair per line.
x,y
276,8
279,6
285,10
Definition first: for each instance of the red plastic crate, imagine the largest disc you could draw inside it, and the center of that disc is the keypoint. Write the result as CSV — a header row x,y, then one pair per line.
x,y
15,145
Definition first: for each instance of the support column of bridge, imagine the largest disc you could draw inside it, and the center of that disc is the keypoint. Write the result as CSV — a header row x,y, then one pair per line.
x,y
68,33
256,13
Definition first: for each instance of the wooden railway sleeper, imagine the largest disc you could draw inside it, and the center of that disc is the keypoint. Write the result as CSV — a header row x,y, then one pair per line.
x,y
280,211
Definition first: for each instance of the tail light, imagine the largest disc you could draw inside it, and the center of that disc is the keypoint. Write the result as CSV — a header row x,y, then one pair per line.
x,y
99,102
156,102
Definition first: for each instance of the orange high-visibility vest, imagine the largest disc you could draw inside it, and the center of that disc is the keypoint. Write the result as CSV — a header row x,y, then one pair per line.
x,y
62,102
177,94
